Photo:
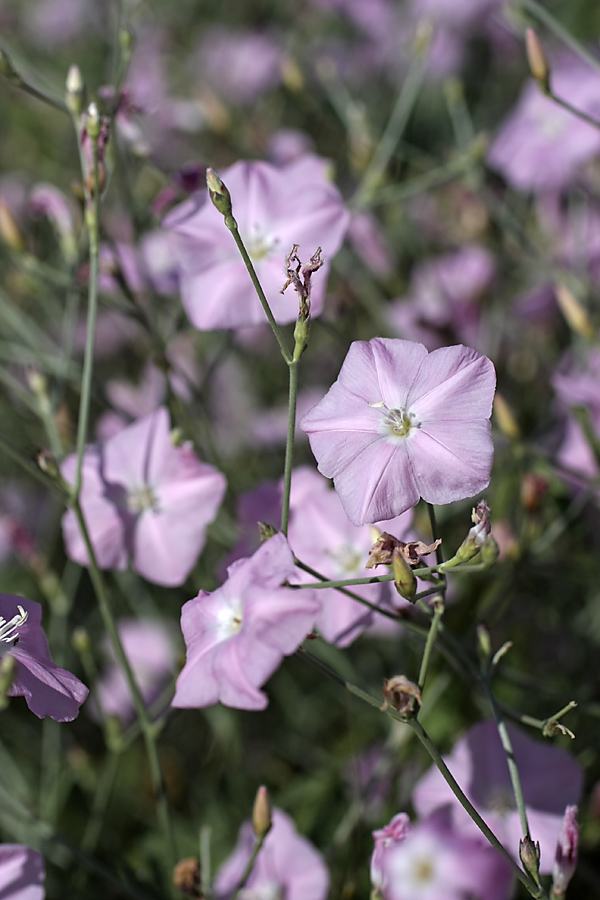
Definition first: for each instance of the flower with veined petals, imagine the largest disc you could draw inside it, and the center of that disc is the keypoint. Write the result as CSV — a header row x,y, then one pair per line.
x,y
237,636
145,499
21,873
287,866
48,690
401,423
274,208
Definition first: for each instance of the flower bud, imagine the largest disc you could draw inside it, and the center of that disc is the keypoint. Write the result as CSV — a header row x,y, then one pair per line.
x,y
529,854
536,58
219,195
75,90
404,579
93,122
186,876
565,859
490,551
10,231
262,818
575,313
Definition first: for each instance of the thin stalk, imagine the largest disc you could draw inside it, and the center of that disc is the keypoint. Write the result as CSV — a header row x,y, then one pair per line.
x,y
438,177
433,752
138,701
93,223
394,129
430,642
573,110
289,445
15,78
233,228
249,865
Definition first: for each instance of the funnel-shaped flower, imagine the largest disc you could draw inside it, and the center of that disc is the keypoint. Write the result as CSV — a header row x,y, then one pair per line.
x,y
237,636
21,873
401,423
48,690
144,499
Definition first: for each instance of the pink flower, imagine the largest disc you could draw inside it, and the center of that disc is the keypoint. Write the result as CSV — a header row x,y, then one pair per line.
x,y
401,423
287,866
239,66
429,861
551,780
565,859
237,636
21,873
540,146
48,690
150,647
146,500
274,208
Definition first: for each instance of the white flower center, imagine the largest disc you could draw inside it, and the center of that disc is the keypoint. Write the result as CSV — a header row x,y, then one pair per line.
x,y
501,800
347,560
258,243
268,891
229,620
141,498
396,424
8,630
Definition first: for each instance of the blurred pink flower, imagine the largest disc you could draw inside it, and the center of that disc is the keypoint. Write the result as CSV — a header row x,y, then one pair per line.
x,y
401,423
565,859
287,866
444,298
237,636
540,146
578,385
368,239
429,860
274,208
239,66
21,873
151,647
48,690
146,500
550,778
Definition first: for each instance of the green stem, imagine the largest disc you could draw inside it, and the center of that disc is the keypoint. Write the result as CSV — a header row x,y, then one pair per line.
x,y
573,109
430,642
250,865
525,880
15,78
138,701
289,445
93,224
232,225
393,131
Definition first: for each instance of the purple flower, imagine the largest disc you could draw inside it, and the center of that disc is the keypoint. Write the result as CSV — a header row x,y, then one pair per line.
x,y
150,647
274,208
287,866
540,146
565,859
237,636
146,500
21,873
239,66
428,861
550,778
401,423
48,690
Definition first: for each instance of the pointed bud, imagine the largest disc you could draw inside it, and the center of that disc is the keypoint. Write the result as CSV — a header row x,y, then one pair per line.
x,y
490,551
575,314
262,818
475,539
93,122
404,579
484,644
10,231
504,417
566,854
75,90
220,196
529,854
536,58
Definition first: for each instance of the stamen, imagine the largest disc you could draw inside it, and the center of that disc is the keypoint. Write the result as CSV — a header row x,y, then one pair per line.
x,y
8,633
141,498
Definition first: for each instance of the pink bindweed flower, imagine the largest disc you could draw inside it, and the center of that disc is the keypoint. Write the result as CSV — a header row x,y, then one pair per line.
x,y
144,500
275,208
150,647
550,778
578,386
48,690
540,146
21,873
401,423
428,861
237,636
287,866
239,66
